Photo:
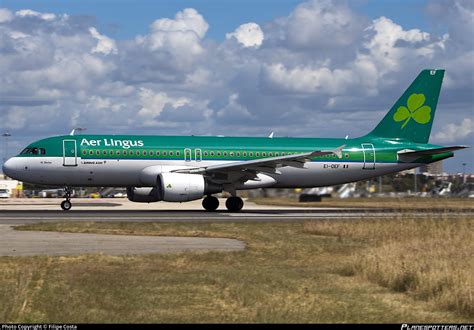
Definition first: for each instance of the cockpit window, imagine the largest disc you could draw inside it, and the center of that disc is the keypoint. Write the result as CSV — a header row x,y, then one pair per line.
x,y
33,151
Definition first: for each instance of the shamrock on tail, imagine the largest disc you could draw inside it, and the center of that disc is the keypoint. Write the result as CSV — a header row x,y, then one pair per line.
x,y
416,110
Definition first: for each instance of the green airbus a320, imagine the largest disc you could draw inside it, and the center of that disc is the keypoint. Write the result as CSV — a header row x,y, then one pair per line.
x,y
185,168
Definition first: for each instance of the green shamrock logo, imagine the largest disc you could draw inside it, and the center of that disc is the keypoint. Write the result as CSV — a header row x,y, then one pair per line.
x,y
416,110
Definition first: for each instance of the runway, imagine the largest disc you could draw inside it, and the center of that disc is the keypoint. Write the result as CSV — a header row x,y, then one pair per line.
x,y
16,217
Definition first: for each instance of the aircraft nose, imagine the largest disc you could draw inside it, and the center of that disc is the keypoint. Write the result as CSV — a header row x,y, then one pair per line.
x,y
9,168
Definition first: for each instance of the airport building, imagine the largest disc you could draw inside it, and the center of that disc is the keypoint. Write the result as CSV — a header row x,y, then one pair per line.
x,y
10,188
435,168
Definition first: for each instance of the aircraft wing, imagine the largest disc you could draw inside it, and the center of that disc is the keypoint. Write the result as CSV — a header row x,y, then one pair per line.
x,y
264,165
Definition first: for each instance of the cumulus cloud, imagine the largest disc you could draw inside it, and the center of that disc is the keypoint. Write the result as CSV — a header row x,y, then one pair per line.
x,y
453,132
5,15
105,45
249,35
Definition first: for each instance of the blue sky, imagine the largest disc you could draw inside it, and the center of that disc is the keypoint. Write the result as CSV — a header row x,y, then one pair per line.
x,y
322,68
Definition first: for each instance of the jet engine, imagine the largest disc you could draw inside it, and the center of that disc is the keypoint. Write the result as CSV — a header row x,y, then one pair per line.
x,y
174,187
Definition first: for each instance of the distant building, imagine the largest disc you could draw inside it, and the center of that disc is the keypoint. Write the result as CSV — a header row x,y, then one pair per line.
x,y
14,188
433,168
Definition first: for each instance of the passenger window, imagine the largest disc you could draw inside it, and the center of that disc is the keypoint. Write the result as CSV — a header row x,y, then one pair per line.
x,y
218,153
118,152
97,152
91,152
276,154
245,154
177,153
231,153
111,152
283,154
212,153
257,154
264,154
151,153
225,153
84,152
251,154
157,153
171,153
164,153
104,152
205,153
238,153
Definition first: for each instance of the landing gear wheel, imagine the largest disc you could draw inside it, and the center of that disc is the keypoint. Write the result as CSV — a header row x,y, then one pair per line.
x,y
234,204
66,205
210,203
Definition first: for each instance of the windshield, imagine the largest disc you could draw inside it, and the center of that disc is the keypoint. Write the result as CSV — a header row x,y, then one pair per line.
x,y
33,151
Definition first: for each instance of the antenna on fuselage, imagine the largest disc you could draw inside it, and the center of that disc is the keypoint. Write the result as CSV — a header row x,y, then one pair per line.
x,y
271,135
347,136
80,129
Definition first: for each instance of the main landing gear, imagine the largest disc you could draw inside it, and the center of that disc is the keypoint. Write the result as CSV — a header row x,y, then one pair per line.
x,y
66,205
233,204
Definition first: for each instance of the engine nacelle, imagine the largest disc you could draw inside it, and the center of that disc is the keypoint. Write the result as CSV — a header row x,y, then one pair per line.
x,y
179,187
173,187
144,195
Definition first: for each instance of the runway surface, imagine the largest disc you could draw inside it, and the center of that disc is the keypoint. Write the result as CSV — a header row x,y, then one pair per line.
x,y
28,217
29,243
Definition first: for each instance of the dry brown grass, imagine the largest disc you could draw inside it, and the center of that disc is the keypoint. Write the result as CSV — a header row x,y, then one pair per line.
x,y
287,274
405,203
430,259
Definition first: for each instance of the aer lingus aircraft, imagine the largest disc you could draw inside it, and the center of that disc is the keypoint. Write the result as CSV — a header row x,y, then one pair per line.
x,y
185,168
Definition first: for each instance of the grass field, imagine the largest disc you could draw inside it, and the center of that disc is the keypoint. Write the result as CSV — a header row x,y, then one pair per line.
x,y
444,204
318,271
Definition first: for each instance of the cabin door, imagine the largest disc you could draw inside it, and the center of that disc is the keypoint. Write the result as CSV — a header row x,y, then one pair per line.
x,y
69,153
369,156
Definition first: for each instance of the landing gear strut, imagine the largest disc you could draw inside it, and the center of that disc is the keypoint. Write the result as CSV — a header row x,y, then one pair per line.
x,y
210,203
234,204
66,205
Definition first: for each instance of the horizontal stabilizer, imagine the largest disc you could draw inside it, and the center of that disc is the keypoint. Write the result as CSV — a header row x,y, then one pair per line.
x,y
427,152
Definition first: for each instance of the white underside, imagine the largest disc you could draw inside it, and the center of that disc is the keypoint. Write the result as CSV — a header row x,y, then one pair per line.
x,y
124,173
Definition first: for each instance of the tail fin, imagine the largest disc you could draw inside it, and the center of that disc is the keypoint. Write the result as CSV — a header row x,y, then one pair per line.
x,y
411,117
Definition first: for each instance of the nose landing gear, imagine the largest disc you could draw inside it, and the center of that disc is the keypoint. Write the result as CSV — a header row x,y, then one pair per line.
x,y
66,205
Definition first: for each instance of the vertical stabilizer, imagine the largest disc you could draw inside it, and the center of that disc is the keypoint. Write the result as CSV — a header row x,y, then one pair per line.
x,y
411,117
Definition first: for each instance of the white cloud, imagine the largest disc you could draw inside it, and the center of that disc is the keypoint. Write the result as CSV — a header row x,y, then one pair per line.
x,y
5,15
307,79
105,45
187,20
249,35
152,104
452,132
32,13
322,23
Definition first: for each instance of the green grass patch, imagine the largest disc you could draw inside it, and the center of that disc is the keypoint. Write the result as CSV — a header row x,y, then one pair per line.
x,y
290,272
